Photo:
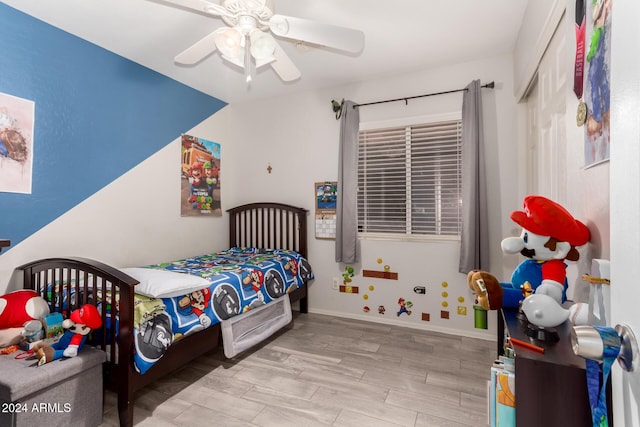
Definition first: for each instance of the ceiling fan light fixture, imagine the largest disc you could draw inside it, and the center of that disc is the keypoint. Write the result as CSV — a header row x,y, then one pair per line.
x,y
262,45
247,41
229,43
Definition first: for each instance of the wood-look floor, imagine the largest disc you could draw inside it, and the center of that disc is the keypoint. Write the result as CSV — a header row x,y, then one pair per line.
x,y
327,371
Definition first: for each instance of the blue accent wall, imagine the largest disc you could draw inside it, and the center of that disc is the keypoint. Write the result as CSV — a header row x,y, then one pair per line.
x,y
97,115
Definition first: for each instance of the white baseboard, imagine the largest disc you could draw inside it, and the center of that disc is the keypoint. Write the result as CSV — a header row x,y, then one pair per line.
x,y
391,321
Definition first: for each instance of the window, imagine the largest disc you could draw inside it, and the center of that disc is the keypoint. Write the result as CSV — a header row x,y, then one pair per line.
x,y
409,179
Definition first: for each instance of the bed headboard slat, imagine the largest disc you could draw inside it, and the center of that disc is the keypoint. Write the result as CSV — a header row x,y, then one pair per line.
x,y
270,226
68,283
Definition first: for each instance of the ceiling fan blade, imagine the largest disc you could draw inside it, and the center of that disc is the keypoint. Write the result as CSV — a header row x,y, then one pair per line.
x,y
283,66
198,51
328,35
201,6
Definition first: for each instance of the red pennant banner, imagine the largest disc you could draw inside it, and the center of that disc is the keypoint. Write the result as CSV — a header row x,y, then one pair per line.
x,y
578,73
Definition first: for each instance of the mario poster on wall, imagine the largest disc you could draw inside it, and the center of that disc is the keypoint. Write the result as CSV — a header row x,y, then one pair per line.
x,y
597,83
17,116
200,177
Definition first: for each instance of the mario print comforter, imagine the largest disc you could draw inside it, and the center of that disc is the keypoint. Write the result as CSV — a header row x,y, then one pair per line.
x,y
241,279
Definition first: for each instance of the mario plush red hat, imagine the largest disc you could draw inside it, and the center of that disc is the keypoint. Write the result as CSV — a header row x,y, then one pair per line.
x,y
87,315
547,218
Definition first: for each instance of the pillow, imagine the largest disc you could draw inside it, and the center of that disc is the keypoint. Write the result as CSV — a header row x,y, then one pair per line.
x,y
156,283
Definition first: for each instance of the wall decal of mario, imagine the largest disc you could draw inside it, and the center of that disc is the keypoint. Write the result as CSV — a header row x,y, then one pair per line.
x,y
550,235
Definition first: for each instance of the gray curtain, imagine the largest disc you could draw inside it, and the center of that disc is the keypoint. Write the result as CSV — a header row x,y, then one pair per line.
x,y
347,226
474,244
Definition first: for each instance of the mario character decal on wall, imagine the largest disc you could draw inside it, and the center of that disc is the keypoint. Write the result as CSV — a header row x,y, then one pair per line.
x,y
80,323
405,306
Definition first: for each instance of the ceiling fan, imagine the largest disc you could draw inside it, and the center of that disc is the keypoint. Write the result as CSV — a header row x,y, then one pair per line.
x,y
248,43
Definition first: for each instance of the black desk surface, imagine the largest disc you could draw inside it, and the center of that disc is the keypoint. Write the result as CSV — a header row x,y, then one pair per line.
x,y
559,352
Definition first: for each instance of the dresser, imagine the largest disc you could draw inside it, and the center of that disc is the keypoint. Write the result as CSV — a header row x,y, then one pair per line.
x,y
550,387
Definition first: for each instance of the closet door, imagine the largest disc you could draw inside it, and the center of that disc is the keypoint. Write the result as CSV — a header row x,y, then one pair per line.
x,y
546,122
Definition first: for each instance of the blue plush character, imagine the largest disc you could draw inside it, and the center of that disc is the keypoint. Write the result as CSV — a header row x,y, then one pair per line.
x,y
80,323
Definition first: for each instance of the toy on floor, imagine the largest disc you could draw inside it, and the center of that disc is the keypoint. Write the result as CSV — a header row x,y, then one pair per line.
x,y
80,323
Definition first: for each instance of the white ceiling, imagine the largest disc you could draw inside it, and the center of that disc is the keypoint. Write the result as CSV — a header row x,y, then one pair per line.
x,y
400,36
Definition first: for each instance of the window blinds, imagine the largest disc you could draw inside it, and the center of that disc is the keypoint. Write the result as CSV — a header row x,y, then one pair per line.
x,y
409,179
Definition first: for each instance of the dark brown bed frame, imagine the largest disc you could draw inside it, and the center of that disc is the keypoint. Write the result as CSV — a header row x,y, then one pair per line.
x,y
264,225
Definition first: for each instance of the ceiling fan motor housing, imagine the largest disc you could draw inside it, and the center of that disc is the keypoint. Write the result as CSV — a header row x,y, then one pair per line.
x,y
248,43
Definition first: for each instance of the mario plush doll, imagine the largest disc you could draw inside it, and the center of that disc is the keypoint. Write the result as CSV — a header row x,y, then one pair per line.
x,y
550,235
78,326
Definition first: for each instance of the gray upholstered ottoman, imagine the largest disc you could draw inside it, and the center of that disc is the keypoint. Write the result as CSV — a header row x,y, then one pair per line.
x,y
65,392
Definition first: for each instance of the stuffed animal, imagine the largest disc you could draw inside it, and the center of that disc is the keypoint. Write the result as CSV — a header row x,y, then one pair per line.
x,y
80,323
550,235
18,307
486,288
543,311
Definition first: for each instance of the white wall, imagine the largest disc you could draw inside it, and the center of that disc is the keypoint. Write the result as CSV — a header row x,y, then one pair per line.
x,y
298,136
136,219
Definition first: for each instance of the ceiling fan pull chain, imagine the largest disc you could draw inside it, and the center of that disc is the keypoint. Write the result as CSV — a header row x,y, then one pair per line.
x,y
248,63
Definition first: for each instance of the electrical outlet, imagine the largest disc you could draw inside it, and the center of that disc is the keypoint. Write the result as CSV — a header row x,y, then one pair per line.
x,y
336,283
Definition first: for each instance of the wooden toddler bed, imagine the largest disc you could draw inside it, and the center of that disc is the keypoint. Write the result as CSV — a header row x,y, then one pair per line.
x,y
257,225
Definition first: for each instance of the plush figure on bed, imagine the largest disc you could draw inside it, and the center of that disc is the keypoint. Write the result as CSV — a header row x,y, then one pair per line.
x,y
80,323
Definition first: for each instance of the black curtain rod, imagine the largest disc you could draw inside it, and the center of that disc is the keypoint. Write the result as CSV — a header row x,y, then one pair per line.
x,y
406,99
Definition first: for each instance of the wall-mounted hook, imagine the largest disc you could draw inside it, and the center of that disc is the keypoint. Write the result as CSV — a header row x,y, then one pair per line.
x,y
337,107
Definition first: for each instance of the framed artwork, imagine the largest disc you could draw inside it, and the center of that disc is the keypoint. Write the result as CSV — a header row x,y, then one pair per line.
x,y
17,117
